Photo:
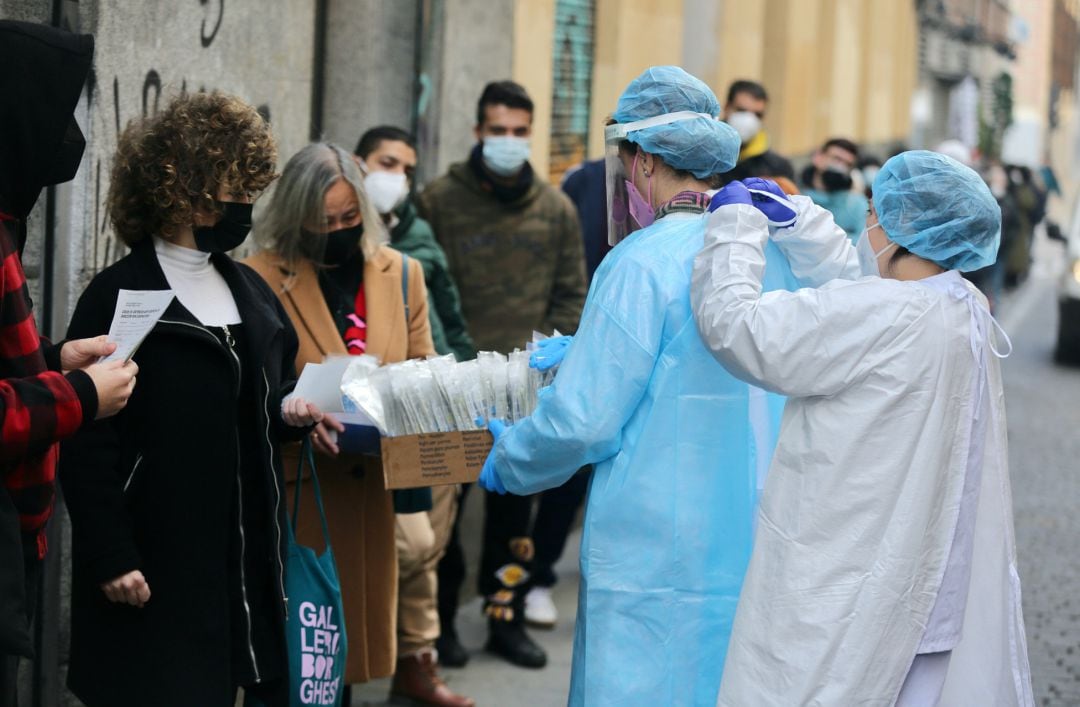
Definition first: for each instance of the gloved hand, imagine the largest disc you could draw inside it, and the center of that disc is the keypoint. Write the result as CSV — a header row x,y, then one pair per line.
x,y
489,479
549,352
770,199
733,193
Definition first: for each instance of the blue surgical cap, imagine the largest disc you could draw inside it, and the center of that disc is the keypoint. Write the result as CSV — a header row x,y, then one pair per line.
x,y
701,146
938,209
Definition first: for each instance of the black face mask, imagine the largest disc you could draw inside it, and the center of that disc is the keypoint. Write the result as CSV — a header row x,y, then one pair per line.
x,y
836,180
338,246
68,155
229,232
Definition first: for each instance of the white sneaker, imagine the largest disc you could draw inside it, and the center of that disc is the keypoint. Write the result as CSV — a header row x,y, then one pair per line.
x,y
540,610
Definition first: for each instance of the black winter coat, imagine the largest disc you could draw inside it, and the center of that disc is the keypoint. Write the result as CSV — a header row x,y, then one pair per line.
x,y
158,488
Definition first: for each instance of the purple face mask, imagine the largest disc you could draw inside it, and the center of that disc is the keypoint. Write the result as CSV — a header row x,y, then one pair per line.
x,y
640,208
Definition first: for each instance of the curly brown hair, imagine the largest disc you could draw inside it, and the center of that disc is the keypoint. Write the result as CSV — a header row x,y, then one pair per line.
x,y
173,164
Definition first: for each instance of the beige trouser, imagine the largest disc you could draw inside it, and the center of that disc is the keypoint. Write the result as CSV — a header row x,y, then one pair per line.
x,y
421,542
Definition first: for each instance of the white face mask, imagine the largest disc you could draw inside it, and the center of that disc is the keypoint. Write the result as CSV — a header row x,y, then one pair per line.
x,y
747,124
868,259
386,190
505,155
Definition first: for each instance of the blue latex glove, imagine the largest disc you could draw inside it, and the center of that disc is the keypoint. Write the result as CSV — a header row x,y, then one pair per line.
x,y
489,479
733,193
549,352
771,200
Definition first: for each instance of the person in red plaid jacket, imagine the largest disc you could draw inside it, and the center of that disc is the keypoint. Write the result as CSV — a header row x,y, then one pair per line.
x,y
47,391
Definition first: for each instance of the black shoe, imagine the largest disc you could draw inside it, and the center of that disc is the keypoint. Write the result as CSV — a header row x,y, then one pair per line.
x,y
510,641
451,653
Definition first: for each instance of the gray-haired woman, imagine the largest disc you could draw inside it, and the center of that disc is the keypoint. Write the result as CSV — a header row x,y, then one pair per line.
x,y
325,258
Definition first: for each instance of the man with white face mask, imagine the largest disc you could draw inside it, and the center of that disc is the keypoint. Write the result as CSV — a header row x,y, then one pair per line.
x,y
745,111
514,246
388,158
422,527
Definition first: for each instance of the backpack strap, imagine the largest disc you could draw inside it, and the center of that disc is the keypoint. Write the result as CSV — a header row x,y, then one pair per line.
x,y
405,287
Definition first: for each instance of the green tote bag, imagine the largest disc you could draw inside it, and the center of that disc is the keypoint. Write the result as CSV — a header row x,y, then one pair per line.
x,y
315,629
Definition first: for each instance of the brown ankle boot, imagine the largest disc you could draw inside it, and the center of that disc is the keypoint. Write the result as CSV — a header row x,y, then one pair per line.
x,y
417,679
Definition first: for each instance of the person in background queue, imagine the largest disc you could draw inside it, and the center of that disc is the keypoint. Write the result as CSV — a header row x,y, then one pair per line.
x,y
387,157
747,103
829,184
514,247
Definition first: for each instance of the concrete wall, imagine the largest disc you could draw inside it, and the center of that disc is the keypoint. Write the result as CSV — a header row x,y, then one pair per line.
x,y
1026,140
149,52
466,44
832,67
533,62
370,69
631,36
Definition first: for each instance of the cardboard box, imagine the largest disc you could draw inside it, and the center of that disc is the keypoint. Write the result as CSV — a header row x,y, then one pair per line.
x,y
437,459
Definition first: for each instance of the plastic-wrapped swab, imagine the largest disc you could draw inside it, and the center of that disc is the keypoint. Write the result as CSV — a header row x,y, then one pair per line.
x,y
517,383
441,395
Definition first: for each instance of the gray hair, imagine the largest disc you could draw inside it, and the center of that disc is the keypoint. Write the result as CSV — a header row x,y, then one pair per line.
x,y
298,197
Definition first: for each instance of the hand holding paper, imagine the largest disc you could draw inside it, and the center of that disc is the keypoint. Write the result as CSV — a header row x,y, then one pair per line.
x,y
325,435
298,412
114,382
137,312
80,353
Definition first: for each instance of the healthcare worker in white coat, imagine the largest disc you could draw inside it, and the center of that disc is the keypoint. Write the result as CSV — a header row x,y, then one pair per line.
x,y
884,564
674,438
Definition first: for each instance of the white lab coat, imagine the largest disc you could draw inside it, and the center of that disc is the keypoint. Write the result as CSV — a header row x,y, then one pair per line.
x,y
894,400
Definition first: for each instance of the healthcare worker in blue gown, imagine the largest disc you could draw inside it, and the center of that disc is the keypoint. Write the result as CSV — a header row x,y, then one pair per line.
x,y
677,442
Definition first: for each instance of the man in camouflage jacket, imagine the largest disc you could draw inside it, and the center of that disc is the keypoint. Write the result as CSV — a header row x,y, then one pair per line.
x,y
515,250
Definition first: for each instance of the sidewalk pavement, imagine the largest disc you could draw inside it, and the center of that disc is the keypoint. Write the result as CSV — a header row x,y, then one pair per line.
x,y
491,681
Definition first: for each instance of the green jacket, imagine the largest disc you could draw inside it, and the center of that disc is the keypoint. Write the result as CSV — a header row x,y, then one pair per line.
x,y
520,265
413,236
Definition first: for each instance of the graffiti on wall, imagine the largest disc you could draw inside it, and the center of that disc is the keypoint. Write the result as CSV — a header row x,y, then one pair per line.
x,y
147,54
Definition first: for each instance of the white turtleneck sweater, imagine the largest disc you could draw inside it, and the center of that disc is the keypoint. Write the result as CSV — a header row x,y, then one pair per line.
x,y
197,284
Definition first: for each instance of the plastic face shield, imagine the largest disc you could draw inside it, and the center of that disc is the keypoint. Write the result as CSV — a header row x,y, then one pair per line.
x,y
620,222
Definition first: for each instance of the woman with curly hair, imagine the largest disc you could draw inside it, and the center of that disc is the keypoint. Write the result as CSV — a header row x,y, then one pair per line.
x,y
177,505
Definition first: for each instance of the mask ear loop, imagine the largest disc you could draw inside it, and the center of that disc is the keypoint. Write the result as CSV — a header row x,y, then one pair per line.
x,y
649,190
785,202
633,171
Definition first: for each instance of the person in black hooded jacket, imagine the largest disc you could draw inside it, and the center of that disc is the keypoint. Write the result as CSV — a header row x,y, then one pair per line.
x,y
47,391
177,504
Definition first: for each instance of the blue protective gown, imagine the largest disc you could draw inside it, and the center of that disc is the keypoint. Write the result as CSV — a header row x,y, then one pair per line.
x,y
678,446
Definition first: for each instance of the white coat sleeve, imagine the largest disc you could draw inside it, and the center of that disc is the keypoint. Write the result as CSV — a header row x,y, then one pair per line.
x,y
817,249
580,417
804,343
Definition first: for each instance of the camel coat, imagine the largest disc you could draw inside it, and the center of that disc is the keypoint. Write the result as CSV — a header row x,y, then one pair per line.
x,y
359,509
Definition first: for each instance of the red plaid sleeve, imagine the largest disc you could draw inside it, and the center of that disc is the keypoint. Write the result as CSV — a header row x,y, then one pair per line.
x,y
36,413
37,407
